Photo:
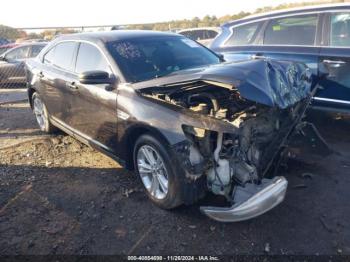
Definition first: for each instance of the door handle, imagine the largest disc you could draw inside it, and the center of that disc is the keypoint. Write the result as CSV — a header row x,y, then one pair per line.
x,y
258,56
72,85
334,63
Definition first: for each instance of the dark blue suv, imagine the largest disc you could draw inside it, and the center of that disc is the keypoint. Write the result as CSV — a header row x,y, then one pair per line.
x,y
318,36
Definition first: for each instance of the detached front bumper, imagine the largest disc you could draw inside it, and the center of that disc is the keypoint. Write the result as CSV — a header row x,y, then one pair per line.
x,y
250,201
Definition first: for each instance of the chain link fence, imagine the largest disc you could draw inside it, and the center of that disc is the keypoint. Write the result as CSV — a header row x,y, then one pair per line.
x,y
11,70
19,45
16,47
12,62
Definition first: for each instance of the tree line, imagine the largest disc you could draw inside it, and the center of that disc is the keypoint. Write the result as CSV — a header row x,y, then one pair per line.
x,y
207,21
213,21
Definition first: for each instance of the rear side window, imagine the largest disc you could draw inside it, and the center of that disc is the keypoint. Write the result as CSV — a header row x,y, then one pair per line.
x,y
18,53
200,34
3,50
340,29
194,35
243,35
63,55
295,30
90,58
209,34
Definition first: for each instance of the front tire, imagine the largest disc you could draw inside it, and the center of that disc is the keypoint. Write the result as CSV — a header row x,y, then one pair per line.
x,y
179,189
41,114
152,161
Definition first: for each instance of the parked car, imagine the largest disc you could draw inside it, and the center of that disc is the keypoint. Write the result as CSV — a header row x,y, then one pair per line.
x,y
203,35
4,41
5,47
318,36
170,109
13,60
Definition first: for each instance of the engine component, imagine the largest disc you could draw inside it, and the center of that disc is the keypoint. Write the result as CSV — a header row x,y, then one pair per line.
x,y
232,159
195,157
219,178
200,108
242,172
206,97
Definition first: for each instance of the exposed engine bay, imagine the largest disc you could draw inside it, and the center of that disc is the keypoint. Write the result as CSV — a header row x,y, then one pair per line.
x,y
235,160
237,119
238,157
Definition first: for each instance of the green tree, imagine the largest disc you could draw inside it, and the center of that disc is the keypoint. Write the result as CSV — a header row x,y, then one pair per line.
x,y
9,32
33,36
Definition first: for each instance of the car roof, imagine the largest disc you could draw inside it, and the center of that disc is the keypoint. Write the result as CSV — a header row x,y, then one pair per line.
x,y
290,11
114,35
31,43
216,29
9,45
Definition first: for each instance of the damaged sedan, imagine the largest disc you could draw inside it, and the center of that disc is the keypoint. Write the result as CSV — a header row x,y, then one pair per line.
x,y
186,121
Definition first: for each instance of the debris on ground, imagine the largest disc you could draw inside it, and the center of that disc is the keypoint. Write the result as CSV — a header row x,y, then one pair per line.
x,y
267,248
325,225
127,192
121,232
299,186
307,175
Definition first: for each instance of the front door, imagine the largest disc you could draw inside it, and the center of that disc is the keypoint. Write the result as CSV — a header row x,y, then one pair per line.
x,y
335,59
93,109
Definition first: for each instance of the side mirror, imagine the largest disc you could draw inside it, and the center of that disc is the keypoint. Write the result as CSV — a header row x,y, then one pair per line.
x,y
221,57
3,58
95,77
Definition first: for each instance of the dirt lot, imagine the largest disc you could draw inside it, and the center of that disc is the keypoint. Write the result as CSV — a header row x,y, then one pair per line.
x,y
58,196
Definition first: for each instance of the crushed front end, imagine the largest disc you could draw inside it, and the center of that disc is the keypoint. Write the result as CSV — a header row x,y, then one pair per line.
x,y
236,158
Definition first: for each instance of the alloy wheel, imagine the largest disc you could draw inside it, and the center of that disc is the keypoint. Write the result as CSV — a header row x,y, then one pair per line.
x,y
38,108
152,171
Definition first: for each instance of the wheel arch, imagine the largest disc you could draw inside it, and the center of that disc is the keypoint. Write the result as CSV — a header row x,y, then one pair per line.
x,y
30,92
131,137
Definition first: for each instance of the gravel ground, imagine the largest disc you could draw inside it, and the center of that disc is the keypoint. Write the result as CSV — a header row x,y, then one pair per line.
x,y
58,196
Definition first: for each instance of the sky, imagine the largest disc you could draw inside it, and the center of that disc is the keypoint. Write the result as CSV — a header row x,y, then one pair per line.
x,y
40,13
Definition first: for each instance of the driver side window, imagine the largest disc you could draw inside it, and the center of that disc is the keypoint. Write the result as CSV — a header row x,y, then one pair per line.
x,y
90,58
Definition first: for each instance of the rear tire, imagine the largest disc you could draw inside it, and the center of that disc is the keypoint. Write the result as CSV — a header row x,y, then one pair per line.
x,y
42,115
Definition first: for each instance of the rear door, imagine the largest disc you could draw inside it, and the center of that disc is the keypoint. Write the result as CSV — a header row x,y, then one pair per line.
x,y
55,78
292,38
93,106
335,60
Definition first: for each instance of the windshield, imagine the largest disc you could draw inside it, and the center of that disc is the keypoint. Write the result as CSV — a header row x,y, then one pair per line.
x,y
144,59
